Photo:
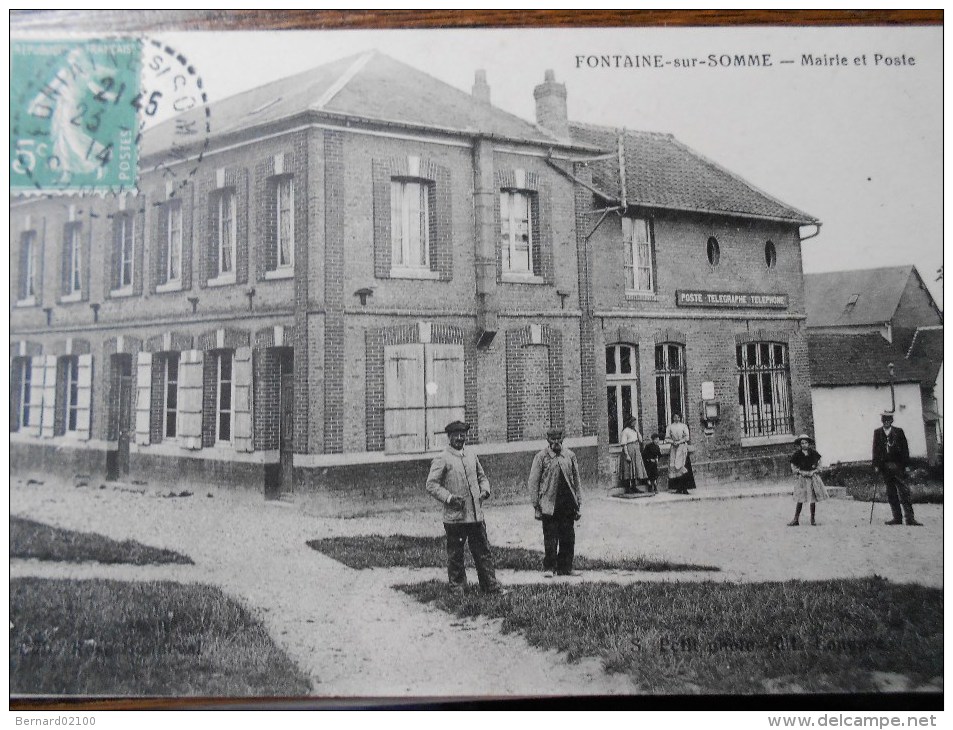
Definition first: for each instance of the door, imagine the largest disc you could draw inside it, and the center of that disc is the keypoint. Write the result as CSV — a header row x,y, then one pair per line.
x,y
122,416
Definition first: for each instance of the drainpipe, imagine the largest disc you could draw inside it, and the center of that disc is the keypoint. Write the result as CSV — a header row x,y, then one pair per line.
x,y
484,218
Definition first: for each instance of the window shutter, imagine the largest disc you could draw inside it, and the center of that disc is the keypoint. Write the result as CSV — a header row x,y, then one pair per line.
x,y
37,373
113,261
382,218
137,220
143,396
441,215
404,428
160,260
240,203
66,261
84,396
157,401
269,236
48,380
187,197
22,272
189,419
211,246
242,373
210,399
444,375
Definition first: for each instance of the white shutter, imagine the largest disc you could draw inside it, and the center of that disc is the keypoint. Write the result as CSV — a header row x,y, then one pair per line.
x,y
84,395
189,419
48,382
37,373
143,396
404,428
444,391
242,376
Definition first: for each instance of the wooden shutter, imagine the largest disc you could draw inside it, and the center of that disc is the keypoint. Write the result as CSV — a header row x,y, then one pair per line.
x,y
23,287
66,269
143,396
404,423
242,405
37,373
189,418
48,380
444,391
160,265
84,396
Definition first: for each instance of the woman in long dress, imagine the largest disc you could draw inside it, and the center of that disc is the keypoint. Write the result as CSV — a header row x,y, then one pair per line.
x,y
808,486
631,466
680,476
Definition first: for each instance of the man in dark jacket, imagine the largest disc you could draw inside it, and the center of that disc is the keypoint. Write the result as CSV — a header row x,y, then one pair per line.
x,y
554,485
890,457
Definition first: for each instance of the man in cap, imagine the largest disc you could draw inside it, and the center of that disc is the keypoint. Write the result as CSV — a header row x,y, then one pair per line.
x,y
555,486
890,457
457,481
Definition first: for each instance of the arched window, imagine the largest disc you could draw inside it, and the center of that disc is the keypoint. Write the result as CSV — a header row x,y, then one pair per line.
x,y
770,255
764,389
622,387
669,382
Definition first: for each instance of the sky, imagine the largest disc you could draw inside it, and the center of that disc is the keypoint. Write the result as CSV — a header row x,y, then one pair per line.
x,y
858,146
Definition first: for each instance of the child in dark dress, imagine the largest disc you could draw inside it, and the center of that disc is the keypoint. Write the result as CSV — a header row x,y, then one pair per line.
x,y
651,455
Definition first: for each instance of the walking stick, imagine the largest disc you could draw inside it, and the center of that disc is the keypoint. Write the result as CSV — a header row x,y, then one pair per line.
x,y
873,497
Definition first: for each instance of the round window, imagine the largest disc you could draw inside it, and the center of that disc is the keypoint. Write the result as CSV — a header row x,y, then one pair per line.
x,y
770,255
714,251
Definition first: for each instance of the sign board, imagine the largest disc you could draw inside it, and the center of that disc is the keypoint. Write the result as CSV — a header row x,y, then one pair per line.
x,y
691,298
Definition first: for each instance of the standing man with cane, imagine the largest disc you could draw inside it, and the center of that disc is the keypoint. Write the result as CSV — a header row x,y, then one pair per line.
x,y
890,457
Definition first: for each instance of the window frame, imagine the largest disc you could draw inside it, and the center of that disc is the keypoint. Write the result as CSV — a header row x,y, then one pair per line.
x,y
167,385
28,286
74,243
280,184
633,263
220,358
509,232
616,382
401,248
24,366
173,213
226,195
126,224
754,424
665,373
71,395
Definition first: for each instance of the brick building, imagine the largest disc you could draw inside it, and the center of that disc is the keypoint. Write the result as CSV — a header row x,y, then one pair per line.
x,y
359,254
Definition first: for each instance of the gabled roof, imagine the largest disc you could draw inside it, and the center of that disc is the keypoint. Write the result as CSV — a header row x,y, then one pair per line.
x,y
926,352
661,172
858,360
370,86
857,297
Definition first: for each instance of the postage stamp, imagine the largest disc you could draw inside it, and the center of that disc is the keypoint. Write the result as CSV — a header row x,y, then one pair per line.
x,y
75,114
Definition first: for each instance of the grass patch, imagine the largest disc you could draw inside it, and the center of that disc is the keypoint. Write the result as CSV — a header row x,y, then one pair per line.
x,y
795,636
29,539
925,482
407,551
97,637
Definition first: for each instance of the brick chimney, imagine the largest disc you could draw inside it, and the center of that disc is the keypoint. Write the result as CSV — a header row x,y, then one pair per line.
x,y
481,89
551,106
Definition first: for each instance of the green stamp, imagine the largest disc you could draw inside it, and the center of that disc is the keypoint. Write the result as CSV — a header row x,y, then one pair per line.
x,y
74,115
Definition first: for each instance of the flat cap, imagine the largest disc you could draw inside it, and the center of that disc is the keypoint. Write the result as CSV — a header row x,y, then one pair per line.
x,y
457,427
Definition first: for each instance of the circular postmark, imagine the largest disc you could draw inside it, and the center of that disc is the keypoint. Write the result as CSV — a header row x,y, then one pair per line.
x,y
88,115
